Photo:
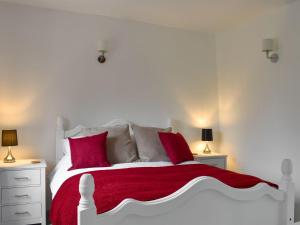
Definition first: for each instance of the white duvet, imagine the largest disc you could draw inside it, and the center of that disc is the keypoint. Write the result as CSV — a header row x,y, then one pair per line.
x,y
60,173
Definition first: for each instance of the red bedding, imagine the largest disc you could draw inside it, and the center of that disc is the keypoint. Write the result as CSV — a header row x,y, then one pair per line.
x,y
144,184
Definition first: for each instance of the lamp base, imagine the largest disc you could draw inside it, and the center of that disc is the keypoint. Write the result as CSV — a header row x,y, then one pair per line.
x,y
9,157
207,149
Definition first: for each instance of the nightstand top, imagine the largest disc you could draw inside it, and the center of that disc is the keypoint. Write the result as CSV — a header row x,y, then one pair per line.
x,y
24,164
211,155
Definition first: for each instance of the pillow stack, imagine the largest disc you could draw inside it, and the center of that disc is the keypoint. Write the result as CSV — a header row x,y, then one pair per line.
x,y
103,146
119,147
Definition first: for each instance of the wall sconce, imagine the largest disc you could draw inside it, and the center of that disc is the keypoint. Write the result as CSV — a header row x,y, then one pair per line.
x,y
268,46
102,48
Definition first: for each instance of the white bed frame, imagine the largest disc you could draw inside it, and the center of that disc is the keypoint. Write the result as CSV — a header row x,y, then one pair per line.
x,y
202,201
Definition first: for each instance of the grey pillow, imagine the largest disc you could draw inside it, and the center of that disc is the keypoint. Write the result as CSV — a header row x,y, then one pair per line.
x,y
119,146
148,143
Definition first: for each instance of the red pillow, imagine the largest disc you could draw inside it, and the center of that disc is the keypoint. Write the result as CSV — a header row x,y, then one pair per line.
x,y
89,151
176,147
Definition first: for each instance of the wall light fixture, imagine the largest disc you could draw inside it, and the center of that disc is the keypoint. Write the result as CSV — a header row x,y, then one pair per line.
x,y
102,48
268,47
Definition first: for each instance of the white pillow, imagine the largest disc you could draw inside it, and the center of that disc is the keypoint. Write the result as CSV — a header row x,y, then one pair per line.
x,y
120,148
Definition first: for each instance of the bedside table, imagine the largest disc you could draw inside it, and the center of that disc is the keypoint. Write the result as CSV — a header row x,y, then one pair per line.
x,y
213,159
22,186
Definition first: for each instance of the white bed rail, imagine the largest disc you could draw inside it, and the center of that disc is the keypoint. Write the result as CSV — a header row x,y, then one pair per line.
x,y
260,205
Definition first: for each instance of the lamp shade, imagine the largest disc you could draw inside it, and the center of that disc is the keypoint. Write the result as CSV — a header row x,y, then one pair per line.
x,y
102,46
268,45
9,138
207,135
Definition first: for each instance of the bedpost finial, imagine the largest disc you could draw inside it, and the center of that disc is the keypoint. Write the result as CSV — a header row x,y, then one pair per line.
x,y
86,189
59,121
174,124
287,167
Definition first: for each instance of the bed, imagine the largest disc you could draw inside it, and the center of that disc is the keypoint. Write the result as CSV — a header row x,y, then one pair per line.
x,y
200,195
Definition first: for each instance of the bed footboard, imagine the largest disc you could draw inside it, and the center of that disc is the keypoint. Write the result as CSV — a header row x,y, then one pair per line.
x,y
203,200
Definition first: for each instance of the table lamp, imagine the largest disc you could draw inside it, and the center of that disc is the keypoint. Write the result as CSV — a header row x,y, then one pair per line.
x,y
9,139
207,135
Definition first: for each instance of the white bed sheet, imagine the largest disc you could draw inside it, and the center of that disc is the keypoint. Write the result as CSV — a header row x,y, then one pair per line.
x,y
60,173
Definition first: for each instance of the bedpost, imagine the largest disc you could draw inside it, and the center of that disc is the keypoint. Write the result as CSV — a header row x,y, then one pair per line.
x,y
60,134
287,185
86,207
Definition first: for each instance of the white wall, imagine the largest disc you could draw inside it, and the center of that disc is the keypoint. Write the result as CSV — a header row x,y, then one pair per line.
x,y
259,101
48,66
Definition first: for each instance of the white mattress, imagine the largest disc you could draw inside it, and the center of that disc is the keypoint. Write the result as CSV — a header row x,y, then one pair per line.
x,y
60,173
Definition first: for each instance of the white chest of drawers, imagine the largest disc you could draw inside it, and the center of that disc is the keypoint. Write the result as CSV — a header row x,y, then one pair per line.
x,y
213,159
22,193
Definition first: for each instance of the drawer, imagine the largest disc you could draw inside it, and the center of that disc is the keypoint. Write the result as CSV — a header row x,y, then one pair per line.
x,y
21,212
21,195
20,178
220,163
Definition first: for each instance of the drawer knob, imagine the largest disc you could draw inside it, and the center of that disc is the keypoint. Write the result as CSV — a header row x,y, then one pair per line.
x,y
21,196
22,213
21,178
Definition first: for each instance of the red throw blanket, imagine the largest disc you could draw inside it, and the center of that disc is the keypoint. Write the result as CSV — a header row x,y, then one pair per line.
x,y
144,184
